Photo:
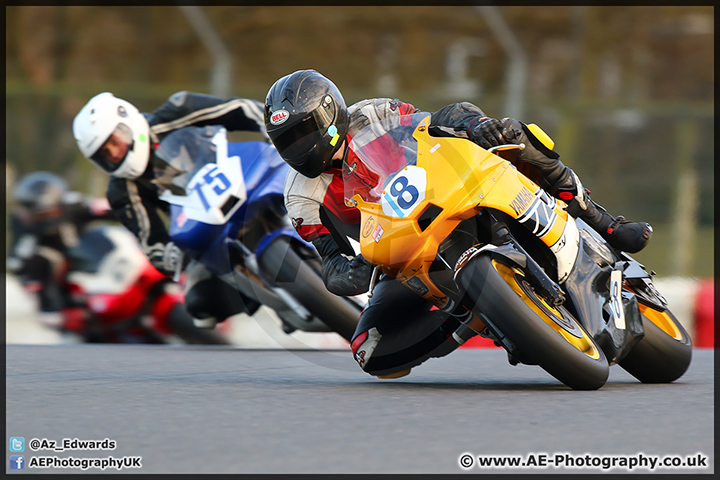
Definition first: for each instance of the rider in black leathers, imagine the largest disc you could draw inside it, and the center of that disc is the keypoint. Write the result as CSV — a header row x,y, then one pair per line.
x,y
46,222
309,124
113,134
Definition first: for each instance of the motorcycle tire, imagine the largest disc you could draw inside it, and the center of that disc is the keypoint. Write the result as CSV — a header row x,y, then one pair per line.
x,y
664,353
550,336
182,325
302,279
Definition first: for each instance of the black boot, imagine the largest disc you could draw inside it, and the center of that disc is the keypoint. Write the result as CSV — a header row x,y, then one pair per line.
x,y
630,237
544,168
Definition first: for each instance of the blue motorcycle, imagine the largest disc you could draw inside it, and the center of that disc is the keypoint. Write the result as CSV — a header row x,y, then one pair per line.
x,y
227,212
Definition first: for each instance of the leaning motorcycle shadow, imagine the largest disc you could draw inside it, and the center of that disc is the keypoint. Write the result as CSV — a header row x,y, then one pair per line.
x,y
503,385
458,385
336,367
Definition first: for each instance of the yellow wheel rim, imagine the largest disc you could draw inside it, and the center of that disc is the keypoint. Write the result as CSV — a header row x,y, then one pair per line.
x,y
662,320
583,343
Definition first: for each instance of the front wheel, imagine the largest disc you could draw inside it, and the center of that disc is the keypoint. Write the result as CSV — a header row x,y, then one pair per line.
x,y
299,277
664,353
549,336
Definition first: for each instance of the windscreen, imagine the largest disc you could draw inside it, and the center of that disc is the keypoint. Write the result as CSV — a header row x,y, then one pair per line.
x,y
378,152
181,154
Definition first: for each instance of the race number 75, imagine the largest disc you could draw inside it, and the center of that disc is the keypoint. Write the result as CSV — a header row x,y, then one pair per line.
x,y
214,184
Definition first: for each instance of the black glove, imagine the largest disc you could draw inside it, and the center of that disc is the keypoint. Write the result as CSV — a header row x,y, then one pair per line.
x,y
342,274
535,152
353,281
486,132
512,130
360,273
164,257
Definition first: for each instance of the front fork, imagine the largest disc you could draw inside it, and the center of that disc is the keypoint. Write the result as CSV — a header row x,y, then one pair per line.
x,y
373,280
536,276
507,249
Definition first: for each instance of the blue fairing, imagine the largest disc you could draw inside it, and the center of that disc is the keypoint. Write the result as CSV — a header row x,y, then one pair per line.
x,y
280,232
264,172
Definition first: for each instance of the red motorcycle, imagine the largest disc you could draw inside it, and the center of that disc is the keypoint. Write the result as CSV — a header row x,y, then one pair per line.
x,y
122,298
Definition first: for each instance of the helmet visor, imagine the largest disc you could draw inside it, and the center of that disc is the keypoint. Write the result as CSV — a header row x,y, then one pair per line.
x,y
300,138
114,150
31,214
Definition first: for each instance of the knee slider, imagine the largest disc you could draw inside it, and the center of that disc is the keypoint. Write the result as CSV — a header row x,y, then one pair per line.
x,y
364,345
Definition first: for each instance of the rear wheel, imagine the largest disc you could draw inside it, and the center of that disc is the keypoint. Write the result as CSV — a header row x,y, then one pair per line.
x,y
299,277
547,335
664,353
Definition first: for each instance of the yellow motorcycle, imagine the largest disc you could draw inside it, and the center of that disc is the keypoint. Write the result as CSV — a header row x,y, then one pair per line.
x,y
464,229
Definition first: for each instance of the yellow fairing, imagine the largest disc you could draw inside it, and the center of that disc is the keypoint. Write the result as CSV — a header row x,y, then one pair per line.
x,y
462,178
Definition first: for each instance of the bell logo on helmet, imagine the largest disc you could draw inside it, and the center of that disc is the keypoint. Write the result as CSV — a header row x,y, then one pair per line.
x,y
279,117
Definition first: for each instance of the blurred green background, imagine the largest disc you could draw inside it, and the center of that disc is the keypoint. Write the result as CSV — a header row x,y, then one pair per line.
x,y
625,92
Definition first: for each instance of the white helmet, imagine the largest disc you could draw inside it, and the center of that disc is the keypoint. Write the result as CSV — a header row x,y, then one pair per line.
x,y
109,122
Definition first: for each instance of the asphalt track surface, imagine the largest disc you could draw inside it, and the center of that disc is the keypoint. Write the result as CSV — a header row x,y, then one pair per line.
x,y
187,409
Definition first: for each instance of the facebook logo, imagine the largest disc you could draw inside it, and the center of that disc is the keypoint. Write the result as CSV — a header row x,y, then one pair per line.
x,y
17,444
17,462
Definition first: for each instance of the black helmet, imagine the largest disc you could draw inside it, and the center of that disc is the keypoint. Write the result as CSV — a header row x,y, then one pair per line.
x,y
307,120
39,201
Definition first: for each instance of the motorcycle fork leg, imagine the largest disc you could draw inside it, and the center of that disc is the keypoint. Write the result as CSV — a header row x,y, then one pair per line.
x,y
537,277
